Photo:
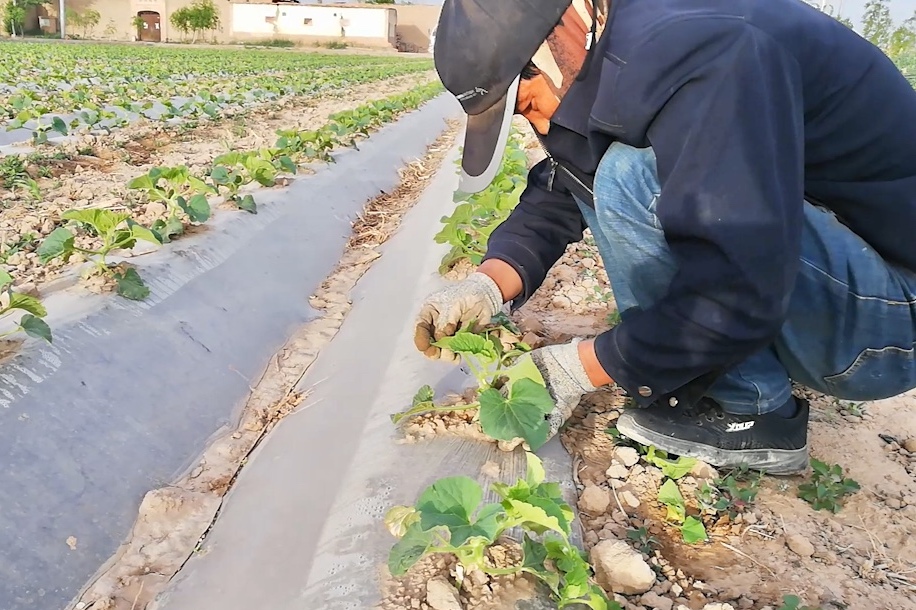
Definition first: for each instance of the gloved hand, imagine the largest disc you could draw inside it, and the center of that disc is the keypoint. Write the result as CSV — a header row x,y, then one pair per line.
x,y
477,297
564,377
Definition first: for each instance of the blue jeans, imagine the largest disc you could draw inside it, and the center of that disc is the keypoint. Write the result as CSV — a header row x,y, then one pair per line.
x,y
850,331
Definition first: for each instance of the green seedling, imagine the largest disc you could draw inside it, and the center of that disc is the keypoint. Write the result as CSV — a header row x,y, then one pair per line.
x,y
731,495
513,401
792,602
642,540
182,194
116,230
235,169
673,469
31,322
14,176
692,528
827,487
450,517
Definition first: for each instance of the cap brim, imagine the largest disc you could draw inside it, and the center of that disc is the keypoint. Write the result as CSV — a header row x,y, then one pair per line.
x,y
485,140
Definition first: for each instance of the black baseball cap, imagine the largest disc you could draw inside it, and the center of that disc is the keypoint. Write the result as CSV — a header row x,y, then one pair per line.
x,y
481,48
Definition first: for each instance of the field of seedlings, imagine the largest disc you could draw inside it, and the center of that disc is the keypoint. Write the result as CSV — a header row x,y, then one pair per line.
x,y
210,260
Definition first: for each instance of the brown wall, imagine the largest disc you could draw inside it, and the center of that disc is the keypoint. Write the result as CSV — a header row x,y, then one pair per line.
x,y
415,22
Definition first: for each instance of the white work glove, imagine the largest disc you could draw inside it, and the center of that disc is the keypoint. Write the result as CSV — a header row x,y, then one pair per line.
x,y
564,377
476,298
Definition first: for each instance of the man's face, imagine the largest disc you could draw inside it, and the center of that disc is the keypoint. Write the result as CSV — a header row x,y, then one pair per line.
x,y
557,63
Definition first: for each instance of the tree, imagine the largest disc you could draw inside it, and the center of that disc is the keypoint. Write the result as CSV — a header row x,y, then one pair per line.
x,y
903,40
877,25
14,13
86,20
829,9
200,16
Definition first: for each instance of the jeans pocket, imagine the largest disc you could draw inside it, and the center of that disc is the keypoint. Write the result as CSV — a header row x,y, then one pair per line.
x,y
875,374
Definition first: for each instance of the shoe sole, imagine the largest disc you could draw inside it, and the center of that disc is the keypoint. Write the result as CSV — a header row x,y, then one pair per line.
x,y
780,462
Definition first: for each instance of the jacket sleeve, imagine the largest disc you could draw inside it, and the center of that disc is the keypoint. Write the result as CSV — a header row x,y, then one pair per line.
x,y
535,234
723,112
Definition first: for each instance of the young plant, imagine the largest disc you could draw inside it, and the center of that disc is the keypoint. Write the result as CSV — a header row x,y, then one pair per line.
x,y
827,487
792,602
732,494
673,469
450,517
235,169
476,216
181,193
692,529
31,322
117,231
512,400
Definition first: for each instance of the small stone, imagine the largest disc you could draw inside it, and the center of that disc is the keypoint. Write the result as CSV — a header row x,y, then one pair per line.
x,y
893,502
627,456
702,470
591,537
594,500
534,341
745,603
750,518
910,444
799,545
718,606
530,324
617,471
676,590
565,273
588,263
561,302
620,569
656,602
478,577
628,498
441,595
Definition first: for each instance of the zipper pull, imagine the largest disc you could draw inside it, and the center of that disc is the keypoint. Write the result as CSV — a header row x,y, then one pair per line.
x,y
553,174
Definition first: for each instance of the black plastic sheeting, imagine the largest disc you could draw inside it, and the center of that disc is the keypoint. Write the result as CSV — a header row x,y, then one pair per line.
x,y
129,393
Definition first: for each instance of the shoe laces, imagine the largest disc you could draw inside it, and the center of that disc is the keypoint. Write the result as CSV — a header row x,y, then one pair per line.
x,y
706,410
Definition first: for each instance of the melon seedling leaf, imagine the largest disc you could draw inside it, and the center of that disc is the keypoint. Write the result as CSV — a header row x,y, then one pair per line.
x,y
248,204
28,304
520,415
693,530
58,243
197,208
5,279
399,518
130,285
35,327
408,550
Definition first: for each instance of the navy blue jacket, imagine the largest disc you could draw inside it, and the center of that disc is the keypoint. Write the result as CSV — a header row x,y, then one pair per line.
x,y
751,107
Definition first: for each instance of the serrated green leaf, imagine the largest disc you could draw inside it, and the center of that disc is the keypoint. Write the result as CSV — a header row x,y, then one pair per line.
x,y
669,494
449,501
59,243
535,471
35,327
531,517
103,221
424,394
248,204
143,182
468,343
693,530
197,208
130,285
521,415
27,303
408,550
138,231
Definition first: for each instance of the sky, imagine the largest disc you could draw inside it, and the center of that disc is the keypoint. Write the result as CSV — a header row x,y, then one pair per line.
x,y
900,9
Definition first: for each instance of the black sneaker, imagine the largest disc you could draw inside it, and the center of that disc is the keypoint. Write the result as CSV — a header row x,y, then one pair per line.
x,y
770,442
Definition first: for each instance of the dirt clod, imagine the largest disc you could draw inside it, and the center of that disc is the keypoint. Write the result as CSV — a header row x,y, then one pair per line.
x,y
800,545
442,595
594,500
620,569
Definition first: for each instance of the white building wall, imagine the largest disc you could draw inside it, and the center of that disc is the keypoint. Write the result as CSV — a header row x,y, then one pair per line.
x,y
321,21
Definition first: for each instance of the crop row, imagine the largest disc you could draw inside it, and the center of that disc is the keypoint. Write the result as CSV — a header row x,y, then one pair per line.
x,y
98,94
94,234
